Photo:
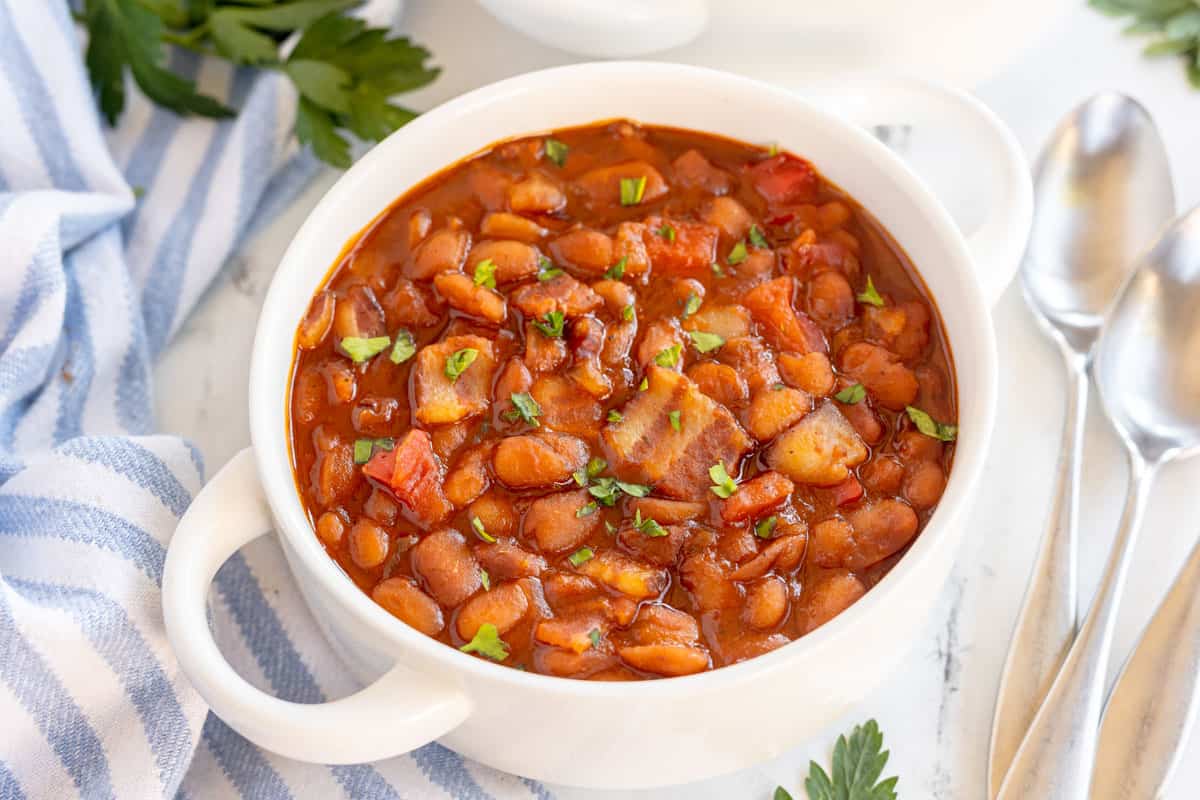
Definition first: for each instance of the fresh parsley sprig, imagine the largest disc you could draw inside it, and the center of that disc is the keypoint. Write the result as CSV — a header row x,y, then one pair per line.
x,y
1175,24
857,764
344,71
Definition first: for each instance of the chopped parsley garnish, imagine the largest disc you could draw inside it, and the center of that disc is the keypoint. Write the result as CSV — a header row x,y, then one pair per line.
x,y
480,531
669,357
526,407
716,269
627,313
851,394
581,556
705,342
458,362
765,528
552,326
614,415
674,417
485,273
546,269
404,348
645,384
586,510
666,232
594,635
608,526
485,579
723,485
778,387
365,448
487,642
617,270
757,238
737,255
632,190
555,150
870,295
606,491
648,527
691,305
360,349
931,427
596,466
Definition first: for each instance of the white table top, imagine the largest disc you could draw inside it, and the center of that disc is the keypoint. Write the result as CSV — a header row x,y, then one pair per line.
x,y
936,710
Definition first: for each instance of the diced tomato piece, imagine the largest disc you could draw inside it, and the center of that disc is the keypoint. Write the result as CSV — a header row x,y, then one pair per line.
x,y
847,492
412,472
783,326
785,179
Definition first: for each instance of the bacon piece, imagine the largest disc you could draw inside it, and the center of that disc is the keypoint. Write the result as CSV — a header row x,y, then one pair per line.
x,y
440,400
414,475
782,325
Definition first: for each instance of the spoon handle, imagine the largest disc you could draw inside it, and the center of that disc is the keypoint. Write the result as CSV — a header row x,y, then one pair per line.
x,y
1046,625
1057,756
1154,704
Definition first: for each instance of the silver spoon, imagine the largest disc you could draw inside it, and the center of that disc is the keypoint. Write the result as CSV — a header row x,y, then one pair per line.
x,y
1154,704
1103,191
1148,373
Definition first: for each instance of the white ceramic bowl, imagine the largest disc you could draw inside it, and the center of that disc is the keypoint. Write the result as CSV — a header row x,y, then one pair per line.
x,y
578,732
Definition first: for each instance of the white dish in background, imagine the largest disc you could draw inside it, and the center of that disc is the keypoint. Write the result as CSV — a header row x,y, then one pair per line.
x,y
788,41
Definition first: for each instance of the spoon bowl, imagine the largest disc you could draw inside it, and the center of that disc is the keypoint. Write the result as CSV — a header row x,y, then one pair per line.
x,y
1148,361
1103,188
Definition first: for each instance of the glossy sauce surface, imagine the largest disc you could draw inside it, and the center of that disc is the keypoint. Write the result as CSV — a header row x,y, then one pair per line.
x,y
621,402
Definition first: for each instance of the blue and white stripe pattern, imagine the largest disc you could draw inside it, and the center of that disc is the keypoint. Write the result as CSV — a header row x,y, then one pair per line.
x,y
93,283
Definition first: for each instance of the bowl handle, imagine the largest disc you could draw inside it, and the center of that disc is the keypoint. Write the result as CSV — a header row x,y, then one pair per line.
x,y
877,101
400,711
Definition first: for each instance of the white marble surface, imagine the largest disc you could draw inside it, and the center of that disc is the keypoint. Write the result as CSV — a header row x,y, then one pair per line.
x,y
936,710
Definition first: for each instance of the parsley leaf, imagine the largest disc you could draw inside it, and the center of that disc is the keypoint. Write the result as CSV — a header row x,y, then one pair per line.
x,y
704,341
586,510
667,232
485,579
404,348
480,531
360,349
581,556
757,238
627,313
485,273
617,270
765,528
851,394
487,642
668,357
345,72
526,407
614,415
723,485
594,636
365,448
737,255
674,417
458,361
552,326
546,269
632,190
870,295
648,527
691,305
555,150
931,427
857,765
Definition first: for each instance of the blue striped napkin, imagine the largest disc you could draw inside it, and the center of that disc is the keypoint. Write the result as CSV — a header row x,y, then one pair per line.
x,y
93,283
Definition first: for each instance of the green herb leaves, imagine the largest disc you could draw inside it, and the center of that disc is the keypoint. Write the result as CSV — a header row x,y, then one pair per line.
x,y
487,642
404,347
931,427
458,361
648,527
692,305
345,72
555,150
757,238
546,270
704,341
667,232
851,395
632,190
674,416
668,357
869,295
617,270
551,326
525,407
857,765
365,448
481,531
737,255
765,528
581,556
1174,23
360,349
723,485
485,273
